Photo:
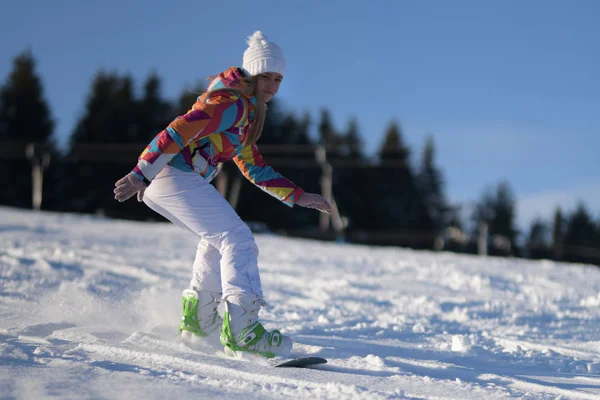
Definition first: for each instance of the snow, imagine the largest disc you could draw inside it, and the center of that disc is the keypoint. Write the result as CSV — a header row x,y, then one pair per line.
x,y
89,308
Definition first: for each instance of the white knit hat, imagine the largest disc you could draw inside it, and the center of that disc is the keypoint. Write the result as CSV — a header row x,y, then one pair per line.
x,y
262,56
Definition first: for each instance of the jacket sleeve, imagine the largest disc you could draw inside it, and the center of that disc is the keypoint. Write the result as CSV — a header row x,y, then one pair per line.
x,y
220,111
257,171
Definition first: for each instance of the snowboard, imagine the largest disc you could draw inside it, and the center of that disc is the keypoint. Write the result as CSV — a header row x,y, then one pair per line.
x,y
209,347
301,362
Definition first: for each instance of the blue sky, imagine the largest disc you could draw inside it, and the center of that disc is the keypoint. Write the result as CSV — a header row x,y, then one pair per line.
x,y
509,89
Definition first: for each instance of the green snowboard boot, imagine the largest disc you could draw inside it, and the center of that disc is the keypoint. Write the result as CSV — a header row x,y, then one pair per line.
x,y
242,332
199,315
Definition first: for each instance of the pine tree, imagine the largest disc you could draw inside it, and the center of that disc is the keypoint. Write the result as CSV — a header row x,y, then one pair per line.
x,y
497,210
111,118
393,148
24,113
272,130
327,134
558,233
154,113
580,227
430,184
537,241
503,222
484,210
597,238
580,235
295,131
110,115
24,118
398,203
125,114
304,129
350,190
352,142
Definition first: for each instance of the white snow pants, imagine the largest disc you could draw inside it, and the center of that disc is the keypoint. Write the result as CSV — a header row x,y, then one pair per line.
x,y
227,255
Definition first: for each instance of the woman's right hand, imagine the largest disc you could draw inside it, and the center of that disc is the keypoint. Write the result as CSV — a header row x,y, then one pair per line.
x,y
127,187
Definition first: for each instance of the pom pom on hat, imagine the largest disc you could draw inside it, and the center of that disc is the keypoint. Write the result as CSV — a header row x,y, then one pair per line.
x,y
263,56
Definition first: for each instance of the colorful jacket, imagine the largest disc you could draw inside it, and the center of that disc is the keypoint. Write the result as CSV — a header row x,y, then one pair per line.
x,y
213,132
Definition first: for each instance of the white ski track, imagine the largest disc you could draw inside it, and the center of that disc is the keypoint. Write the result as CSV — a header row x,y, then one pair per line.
x,y
152,356
149,355
80,295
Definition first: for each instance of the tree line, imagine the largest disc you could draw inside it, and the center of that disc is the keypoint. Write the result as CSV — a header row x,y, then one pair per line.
x,y
386,199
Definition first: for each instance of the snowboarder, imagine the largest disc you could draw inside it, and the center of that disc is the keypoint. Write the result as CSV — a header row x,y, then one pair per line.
x,y
172,177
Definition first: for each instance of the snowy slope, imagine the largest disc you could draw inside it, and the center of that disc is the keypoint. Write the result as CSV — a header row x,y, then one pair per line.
x,y
89,309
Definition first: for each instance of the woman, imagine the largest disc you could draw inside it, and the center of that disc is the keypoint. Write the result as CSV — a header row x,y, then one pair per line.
x,y
172,177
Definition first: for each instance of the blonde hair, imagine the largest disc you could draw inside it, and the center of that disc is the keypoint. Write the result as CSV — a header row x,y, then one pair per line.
x,y
260,109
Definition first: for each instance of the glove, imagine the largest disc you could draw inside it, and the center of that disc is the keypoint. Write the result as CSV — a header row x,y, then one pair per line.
x,y
127,187
312,200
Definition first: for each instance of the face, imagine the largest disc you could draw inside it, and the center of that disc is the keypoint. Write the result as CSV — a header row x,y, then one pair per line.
x,y
268,84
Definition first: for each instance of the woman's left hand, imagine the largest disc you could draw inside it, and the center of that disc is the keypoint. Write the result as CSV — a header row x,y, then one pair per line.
x,y
313,200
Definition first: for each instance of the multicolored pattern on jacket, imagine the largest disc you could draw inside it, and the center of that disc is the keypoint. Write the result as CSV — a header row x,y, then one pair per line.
x,y
213,132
